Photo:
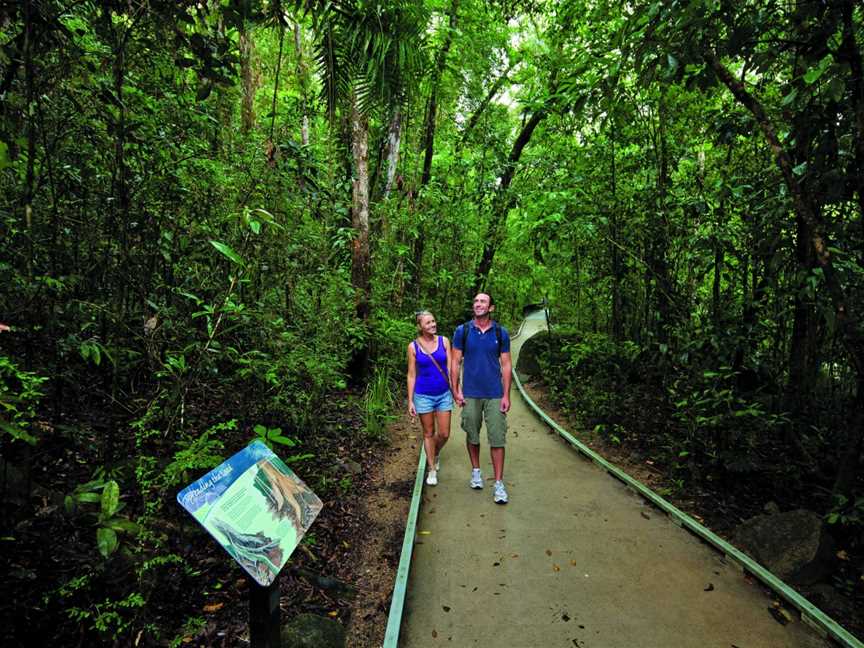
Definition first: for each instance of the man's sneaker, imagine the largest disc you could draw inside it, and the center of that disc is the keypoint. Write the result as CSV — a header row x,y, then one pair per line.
x,y
476,479
432,478
500,496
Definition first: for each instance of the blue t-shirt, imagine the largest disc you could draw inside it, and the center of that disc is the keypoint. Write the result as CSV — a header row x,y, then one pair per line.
x,y
481,373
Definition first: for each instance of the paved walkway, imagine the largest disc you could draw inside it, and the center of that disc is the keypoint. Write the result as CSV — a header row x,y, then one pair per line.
x,y
575,559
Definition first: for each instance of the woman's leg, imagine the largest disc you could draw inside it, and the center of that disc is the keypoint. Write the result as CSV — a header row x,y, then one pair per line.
x,y
427,422
443,420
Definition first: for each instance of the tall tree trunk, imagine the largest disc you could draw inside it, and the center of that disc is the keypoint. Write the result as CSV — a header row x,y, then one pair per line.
x,y
614,251
394,136
246,46
501,203
659,236
303,78
360,255
30,178
432,106
850,53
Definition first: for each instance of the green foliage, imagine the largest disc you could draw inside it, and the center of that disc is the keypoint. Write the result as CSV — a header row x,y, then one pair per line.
x,y
195,454
847,512
272,436
378,403
106,516
175,268
20,392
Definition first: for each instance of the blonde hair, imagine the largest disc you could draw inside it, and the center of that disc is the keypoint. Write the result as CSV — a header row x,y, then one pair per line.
x,y
418,316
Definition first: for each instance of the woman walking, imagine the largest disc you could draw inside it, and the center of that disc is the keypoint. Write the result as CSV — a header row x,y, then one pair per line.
x,y
429,394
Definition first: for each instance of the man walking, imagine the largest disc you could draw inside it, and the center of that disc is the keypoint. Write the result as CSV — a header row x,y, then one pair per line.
x,y
485,391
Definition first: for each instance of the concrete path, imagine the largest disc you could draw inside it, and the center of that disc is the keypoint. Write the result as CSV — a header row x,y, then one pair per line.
x,y
575,559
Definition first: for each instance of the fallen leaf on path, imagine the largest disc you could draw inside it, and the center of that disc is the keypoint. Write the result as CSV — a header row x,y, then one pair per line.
x,y
780,615
556,568
710,588
645,515
842,555
446,608
548,552
572,563
434,634
424,532
213,607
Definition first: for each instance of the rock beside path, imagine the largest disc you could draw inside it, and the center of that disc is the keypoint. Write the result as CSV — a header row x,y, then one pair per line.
x,y
313,631
794,545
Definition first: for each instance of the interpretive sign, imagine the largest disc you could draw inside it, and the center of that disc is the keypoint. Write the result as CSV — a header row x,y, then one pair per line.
x,y
255,507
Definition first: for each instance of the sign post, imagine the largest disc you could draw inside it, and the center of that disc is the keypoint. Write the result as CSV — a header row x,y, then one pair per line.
x,y
258,510
265,625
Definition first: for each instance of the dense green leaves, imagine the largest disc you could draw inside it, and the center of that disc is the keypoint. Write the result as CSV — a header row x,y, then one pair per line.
x,y
193,251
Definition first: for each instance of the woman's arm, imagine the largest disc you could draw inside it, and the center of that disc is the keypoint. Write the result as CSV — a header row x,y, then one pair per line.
x,y
454,360
412,379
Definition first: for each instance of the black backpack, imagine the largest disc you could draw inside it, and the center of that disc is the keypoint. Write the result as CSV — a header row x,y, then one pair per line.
x,y
465,326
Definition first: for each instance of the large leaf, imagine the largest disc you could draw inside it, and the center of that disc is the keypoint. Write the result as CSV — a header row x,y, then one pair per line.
x,y
106,540
229,252
110,499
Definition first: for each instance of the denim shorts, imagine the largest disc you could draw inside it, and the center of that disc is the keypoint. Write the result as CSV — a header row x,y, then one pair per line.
x,y
424,403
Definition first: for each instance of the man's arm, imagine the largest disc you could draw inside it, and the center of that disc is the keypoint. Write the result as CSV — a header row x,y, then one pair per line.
x,y
506,378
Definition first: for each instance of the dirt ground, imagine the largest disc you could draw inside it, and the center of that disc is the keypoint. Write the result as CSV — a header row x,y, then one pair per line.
x,y
386,510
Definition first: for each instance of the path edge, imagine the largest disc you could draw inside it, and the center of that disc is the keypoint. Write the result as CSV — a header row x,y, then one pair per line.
x,y
400,586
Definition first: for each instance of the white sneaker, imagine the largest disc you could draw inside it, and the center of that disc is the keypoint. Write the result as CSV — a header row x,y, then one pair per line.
x,y
432,478
476,479
500,496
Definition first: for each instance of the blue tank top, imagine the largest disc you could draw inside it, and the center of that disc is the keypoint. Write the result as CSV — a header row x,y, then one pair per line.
x,y
429,380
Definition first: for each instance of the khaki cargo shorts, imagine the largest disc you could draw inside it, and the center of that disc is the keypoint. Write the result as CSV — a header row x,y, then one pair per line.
x,y
475,411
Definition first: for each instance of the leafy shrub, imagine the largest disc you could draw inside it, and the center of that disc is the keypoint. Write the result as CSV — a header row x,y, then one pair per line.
x,y
20,392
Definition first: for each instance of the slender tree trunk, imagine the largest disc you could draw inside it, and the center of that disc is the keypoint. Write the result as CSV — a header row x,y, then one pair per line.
x,y
615,252
501,203
657,263
302,76
30,178
394,135
432,106
276,81
360,253
246,47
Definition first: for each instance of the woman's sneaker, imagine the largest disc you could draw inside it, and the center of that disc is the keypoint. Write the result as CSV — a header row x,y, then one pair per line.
x,y
432,478
500,494
476,479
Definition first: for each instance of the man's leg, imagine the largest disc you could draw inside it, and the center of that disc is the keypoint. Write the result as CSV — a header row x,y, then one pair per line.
x,y
496,429
472,418
497,462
